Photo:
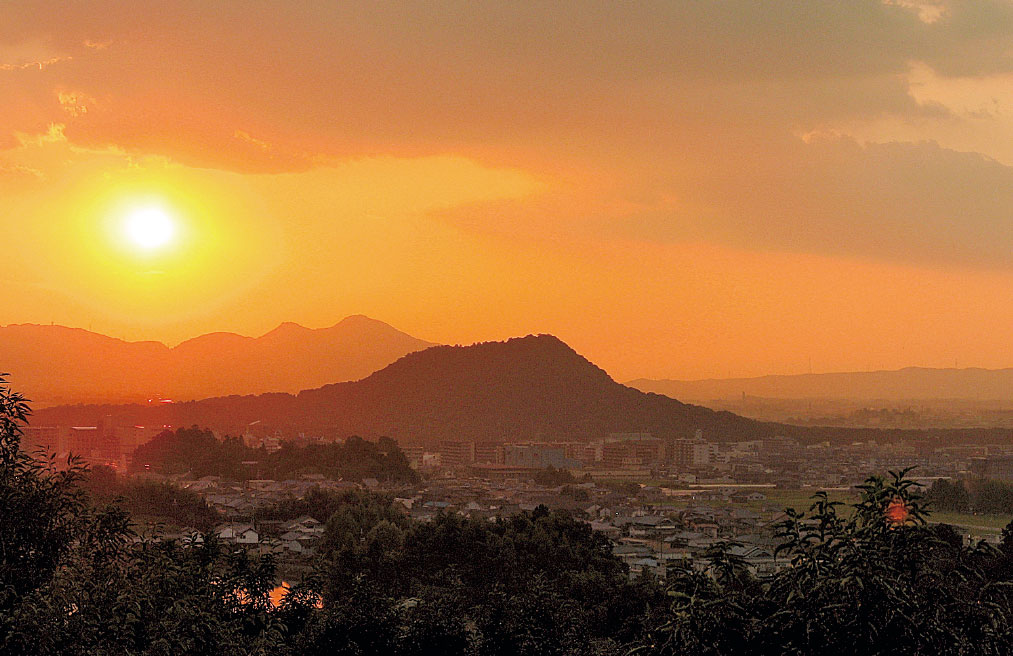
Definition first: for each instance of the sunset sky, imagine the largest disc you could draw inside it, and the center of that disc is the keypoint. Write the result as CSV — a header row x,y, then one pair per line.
x,y
676,189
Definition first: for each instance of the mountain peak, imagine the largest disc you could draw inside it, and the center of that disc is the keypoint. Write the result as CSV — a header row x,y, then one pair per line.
x,y
94,368
287,328
523,389
360,319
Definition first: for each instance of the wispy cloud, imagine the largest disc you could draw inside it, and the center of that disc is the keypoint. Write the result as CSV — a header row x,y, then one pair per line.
x,y
75,103
39,65
97,45
246,137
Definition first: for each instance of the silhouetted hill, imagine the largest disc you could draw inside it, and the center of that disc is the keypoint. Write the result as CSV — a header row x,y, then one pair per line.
x,y
912,383
533,387
530,388
54,364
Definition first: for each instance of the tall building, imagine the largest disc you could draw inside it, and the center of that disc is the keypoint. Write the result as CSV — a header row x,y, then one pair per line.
x,y
997,467
632,450
489,453
50,439
456,454
537,456
693,453
84,441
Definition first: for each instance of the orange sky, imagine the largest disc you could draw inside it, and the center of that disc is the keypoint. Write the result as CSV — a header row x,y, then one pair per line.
x,y
675,189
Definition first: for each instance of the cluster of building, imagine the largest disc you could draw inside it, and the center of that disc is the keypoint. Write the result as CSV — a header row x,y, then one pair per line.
x,y
627,455
652,527
781,461
297,537
674,522
702,492
109,443
247,499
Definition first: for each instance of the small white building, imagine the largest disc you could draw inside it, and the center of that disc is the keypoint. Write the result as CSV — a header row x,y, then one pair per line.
x,y
238,533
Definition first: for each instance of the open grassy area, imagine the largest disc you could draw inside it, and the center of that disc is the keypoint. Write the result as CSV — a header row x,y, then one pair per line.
x,y
802,499
979,523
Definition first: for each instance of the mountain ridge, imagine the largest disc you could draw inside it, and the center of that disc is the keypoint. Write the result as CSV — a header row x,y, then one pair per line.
x,y
98,368
908,383
533,388
526,388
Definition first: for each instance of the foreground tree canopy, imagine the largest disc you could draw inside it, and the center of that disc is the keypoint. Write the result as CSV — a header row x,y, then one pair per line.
x,y
873,578
199,453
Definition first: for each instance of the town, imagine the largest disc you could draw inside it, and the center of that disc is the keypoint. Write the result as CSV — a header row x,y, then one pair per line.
x,y
661,502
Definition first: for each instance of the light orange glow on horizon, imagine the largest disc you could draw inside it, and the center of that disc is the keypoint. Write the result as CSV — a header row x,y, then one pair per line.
x,y
679,190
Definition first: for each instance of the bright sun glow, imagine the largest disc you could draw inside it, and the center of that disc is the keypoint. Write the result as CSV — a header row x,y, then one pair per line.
x,y
149,228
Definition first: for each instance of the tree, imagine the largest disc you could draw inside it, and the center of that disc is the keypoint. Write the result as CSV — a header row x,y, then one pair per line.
x,y
41,508
876,580
75,580
535,583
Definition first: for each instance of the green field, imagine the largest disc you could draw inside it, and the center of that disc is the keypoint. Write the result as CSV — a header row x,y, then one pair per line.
x,y
981,522
978,523
802,499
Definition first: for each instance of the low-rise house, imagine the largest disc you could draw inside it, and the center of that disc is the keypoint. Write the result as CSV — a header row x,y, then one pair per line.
x,y
650,526
640,565
707,528
304,523
606,528
238,533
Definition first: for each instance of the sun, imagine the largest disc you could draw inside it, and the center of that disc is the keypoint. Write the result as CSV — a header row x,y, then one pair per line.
x,y
149,228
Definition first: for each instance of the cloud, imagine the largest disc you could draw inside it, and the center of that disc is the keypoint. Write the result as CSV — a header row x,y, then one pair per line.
x,y
369,78
914,202
18,171
653,120
39,64
75,103
245,136
31,52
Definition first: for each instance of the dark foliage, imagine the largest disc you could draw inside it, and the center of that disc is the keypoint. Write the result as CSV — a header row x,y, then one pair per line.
x,y
41,510
859,583
552,477
875,580
75,580
977,494
949,495
157,503
198,452
534,583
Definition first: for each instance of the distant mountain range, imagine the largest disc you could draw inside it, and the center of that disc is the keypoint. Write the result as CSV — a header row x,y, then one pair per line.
x,y
55,364
911,383
530,388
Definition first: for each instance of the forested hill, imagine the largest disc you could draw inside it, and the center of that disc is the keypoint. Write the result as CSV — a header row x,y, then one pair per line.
x,y
534,387
529,388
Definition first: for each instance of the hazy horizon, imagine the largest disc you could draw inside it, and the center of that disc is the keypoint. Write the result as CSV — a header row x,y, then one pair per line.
x,y
633,379
678,190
